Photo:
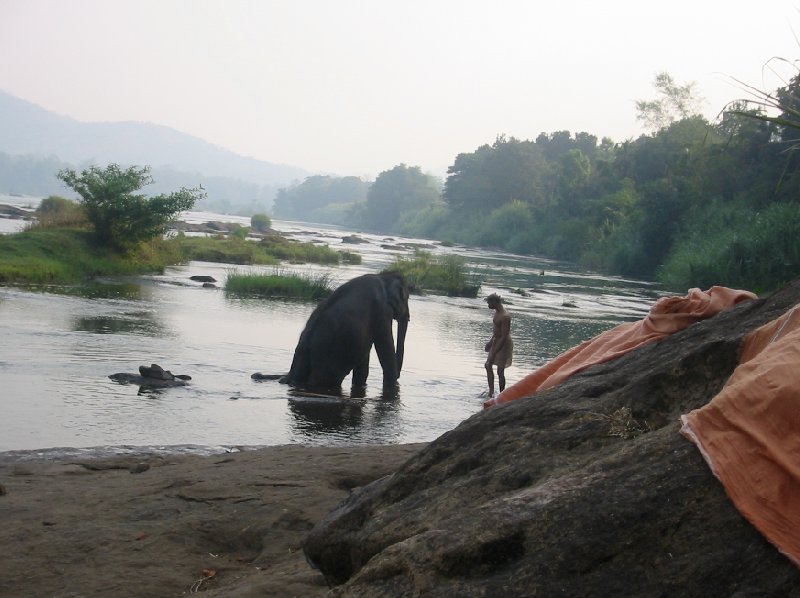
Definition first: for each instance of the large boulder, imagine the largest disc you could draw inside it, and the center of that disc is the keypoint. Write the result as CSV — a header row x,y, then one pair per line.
x,y
586,489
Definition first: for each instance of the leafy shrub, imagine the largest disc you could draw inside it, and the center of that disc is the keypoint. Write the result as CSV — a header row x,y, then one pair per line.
x,y
260,222
121,218
239,232
59,212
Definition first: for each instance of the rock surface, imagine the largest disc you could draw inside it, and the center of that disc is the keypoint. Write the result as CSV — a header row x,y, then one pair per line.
x,y
587,489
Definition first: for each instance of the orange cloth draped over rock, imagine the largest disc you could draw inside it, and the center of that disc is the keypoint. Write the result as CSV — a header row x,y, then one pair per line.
x,y
750,432
667,316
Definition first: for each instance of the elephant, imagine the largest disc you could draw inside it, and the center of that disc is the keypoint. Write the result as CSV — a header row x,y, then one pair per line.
x,y
341,331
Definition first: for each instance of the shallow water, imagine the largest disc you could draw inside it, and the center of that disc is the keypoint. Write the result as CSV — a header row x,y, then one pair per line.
x,y
58,349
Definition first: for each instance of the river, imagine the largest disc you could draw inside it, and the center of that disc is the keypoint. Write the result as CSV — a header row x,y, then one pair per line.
x,y
58,349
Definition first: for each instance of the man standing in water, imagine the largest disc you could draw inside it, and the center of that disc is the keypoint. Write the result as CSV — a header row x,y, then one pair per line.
x,y
500,347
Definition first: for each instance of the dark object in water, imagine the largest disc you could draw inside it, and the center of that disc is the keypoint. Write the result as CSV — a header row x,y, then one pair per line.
x,y
153,376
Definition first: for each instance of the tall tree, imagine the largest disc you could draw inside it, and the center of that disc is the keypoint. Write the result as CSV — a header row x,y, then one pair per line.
x,y
396,192
122,218
674,102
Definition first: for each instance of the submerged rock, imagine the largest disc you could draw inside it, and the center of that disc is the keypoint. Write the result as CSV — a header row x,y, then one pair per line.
x,y
586,489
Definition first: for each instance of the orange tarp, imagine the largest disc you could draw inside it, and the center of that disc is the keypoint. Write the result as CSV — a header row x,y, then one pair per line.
x,y
667,316
750,432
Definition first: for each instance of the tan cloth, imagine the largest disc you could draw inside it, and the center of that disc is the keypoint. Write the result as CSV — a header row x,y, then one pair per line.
x,y
505,355
667,316
750,432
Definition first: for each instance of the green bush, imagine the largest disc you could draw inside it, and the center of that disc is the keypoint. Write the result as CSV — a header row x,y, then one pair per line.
x,y
260,223
59,212
239,232
121,218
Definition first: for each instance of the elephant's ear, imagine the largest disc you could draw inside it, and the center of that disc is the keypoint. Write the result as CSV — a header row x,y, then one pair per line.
x,y
397,296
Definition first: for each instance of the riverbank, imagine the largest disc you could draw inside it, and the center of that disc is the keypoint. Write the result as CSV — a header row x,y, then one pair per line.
x,y
169,525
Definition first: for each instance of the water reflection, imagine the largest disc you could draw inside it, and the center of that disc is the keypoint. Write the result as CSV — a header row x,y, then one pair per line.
x,y
314,416
106,290
144,323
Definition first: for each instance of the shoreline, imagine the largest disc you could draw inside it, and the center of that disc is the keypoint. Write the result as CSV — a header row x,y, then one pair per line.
x,y
167,524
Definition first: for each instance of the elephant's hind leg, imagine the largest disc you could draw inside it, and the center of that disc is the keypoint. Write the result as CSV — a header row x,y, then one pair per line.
x,y
361,371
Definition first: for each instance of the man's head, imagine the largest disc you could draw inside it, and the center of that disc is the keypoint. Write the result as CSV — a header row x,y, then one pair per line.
x,y
494,301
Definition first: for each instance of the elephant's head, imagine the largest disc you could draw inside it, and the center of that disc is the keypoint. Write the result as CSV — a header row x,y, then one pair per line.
x,y
397,297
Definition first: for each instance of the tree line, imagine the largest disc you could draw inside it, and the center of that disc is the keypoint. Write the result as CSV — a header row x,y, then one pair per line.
x,y
691,203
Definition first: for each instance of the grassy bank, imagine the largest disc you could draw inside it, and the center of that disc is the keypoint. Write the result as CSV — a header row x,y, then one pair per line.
x,y
62,256
67,256
448,274
280,284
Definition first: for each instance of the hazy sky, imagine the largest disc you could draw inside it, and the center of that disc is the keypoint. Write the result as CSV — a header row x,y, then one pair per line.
x,y
355,87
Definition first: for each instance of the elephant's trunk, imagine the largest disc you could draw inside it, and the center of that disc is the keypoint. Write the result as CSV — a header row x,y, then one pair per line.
x,y
402,328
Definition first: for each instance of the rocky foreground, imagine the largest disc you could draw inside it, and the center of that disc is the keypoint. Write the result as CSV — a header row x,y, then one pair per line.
x,y
158,525
587,489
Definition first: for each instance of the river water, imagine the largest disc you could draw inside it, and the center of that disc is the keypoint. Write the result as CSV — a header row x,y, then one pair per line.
x,y
57,350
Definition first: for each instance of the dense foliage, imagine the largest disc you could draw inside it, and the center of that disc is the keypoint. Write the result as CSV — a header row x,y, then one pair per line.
x,y
396,193
693,203
121,218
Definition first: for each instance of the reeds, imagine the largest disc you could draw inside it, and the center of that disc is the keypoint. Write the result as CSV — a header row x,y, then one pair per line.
x,y
280,284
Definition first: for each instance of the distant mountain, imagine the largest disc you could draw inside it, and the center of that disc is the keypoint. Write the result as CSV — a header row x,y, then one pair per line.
x,y
30,130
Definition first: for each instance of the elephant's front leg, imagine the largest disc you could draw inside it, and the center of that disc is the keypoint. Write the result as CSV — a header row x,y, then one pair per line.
x,y
361,371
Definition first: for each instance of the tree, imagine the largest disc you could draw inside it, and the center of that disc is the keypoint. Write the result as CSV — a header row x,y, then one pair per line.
x,y
121,218
398,191
495,175
677,102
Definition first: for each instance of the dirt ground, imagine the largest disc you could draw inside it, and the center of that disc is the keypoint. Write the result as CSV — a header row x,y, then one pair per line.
x,y
152,525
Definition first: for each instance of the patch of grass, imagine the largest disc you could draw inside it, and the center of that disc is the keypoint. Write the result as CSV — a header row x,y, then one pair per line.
x,y
57,256
280,284
222,249
622,424
448,274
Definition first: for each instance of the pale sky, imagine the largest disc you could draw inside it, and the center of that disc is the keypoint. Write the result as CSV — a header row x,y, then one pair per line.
x,y
356,87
